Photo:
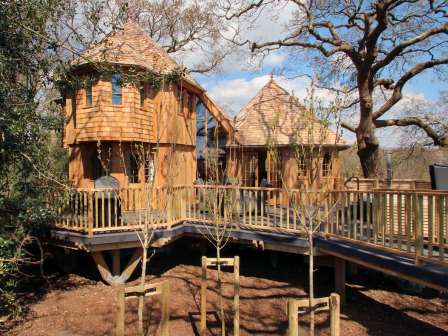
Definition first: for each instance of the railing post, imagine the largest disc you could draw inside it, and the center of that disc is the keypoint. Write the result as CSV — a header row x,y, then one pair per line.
x,y
418,237
90,215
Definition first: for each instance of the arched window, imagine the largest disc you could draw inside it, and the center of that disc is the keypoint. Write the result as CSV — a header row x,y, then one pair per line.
x,y
326,165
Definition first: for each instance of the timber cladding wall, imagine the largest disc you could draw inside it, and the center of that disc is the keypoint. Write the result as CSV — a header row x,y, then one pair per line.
x,y
128,121
167,115
244,165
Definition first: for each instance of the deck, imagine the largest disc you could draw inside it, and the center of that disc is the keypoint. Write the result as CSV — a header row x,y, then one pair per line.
x,y
402,233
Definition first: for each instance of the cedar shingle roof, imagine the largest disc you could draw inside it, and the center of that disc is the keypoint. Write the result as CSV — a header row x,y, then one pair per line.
x,y
274,116
129,45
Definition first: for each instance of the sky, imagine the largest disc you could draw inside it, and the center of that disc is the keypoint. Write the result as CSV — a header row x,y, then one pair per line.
x,y
240,80
233,89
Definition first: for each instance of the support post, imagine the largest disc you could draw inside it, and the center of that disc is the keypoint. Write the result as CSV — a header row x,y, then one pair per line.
x,y
116,267
339,277
335,308
102,266
132,264
164,324
236,297
204,297
120,312
293,319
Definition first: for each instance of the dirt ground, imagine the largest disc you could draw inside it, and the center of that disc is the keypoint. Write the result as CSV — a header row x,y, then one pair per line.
x,y
79,304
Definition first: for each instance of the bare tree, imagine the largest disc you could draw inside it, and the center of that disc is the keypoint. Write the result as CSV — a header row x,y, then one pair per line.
x,y
313,144
219,205
368,46
187,30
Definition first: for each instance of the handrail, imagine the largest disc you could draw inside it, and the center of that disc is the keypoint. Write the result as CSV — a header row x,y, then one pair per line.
x,y
413,222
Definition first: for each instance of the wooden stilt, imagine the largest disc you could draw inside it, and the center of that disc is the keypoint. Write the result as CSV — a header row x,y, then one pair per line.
x,y
102,266
132,264
116,267
339,276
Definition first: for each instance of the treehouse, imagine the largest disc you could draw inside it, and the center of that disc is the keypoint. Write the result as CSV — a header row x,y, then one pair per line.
x,y
133,116
126,101
278,143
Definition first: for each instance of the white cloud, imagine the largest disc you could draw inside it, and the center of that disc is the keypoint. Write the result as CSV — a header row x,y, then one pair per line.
x,y
233,94
274,59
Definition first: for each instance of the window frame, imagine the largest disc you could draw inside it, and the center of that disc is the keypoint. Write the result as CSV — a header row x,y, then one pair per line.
x,y
89,92
117,89
302,166
326,165
142,93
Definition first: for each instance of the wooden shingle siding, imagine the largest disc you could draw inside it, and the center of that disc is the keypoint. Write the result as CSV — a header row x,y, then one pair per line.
x,y
104,121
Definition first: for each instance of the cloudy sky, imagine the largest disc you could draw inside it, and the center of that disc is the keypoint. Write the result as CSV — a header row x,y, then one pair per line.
x,y
242,76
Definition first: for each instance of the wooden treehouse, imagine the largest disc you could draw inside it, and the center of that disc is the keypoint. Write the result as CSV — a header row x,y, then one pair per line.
x,y
277,145
140,132
119,116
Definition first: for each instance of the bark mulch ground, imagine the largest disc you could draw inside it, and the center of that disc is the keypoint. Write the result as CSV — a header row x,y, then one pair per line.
x,y
79,304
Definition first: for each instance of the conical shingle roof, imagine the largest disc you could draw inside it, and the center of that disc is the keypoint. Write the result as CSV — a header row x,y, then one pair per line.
x,y
274,117
129,45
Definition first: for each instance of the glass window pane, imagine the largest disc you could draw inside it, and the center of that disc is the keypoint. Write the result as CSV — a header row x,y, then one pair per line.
x,y
116,89
89,99
142,95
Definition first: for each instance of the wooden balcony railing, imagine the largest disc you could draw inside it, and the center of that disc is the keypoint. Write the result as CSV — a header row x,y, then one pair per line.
x,y
408,222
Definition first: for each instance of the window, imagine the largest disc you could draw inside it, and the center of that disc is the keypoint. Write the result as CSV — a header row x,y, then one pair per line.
x,y
326,165
116,89
142,94
89,98
302,166
133,169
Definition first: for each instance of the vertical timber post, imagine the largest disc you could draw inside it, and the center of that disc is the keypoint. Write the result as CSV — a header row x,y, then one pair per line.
x,y
236,297
164,327
293,319
90,214
120,312
335,308
339,278
116,268
203,297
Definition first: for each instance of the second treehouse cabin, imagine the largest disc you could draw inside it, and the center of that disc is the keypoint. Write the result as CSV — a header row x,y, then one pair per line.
x,y
278,144
127,101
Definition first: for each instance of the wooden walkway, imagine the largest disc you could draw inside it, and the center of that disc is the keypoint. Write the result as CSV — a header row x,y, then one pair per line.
x,y
403,227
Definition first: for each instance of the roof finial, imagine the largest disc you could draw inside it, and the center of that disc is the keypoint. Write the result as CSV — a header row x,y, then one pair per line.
x,y
272,76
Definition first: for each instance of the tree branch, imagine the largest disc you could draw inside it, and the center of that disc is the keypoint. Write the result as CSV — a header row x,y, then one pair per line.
x,y
439,139
398,87
399,48
348,126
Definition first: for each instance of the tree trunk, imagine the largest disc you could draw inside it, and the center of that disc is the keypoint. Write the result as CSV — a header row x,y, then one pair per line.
x,y
368,144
